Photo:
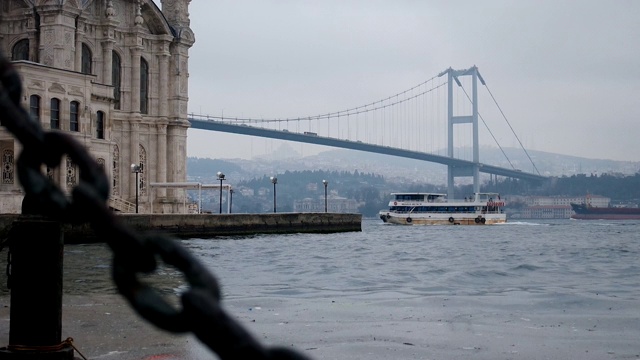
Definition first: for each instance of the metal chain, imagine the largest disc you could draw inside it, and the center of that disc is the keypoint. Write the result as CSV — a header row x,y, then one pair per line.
x,y
133,253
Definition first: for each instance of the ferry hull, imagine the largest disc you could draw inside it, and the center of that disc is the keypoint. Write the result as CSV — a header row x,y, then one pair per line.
x,y
470,219
435,209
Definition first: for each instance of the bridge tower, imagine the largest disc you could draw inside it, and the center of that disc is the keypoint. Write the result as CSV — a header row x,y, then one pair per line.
x,y
454,171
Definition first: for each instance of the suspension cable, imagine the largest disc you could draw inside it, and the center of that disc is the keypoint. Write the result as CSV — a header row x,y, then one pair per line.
x,y
489,130
514,133
337,114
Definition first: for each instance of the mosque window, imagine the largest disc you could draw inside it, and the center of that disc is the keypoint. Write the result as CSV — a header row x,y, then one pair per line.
x,y
86,59
144,86
20,50
34,107
55,113
74,116
100,125
116,67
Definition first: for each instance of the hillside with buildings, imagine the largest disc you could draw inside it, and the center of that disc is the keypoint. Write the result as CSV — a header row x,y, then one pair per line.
x,y
362,182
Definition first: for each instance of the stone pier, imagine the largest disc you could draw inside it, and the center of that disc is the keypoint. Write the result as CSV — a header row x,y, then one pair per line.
x,y
214,225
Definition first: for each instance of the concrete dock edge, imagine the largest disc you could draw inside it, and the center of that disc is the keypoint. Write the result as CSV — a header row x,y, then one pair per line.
x,y
214,225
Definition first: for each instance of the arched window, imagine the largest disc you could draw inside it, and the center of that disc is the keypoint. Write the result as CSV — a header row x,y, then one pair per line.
x,y
55,113
34,107
100,125
115,79
74,120
144,86
20,50
86,59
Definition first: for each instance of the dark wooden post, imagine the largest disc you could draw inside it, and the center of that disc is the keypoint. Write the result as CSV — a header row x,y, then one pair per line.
x,y
36,247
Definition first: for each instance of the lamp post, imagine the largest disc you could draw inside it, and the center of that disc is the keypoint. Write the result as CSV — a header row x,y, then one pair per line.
x,y
221,178
274,181
137,169
230,200
325,182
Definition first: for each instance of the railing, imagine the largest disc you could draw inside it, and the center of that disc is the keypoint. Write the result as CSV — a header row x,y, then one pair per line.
x,y
121,205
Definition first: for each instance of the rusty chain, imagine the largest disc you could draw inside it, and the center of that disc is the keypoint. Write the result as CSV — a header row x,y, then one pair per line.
x,y
133,253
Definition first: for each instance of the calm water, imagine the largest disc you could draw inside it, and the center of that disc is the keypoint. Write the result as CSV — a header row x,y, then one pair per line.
x,y
563,268
564,260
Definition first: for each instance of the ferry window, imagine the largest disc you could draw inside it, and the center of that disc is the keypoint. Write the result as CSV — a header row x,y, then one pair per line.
x,y
410,197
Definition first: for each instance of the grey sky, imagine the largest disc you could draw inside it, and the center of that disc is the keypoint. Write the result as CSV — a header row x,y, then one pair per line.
x,y
565,73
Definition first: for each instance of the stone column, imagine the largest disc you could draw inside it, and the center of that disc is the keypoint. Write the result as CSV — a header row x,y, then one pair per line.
x,y
162,157
135,80
163,95
135,154
107,61
78,52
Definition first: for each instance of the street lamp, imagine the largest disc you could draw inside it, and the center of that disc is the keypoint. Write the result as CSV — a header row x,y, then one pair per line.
x,y
274,181
325,182
221,178
137,169
230,200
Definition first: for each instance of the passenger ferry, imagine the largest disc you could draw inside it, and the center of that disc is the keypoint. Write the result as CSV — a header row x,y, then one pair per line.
x,y
436,209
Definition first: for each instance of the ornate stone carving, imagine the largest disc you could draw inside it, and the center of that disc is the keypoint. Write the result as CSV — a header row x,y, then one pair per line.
x,y
7,167
57,88
110,12
143,176
138,19
176,11
115,171
36,84
71,173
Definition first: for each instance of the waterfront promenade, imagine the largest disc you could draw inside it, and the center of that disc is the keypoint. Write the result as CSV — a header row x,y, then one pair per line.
x,y
214,225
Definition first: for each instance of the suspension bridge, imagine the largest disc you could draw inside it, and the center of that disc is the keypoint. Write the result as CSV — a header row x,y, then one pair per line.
x,y
412,124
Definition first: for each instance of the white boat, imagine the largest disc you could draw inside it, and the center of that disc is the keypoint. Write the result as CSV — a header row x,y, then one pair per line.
x,y
436,209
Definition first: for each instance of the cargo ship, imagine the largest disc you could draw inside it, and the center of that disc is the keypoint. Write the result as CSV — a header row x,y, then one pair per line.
x,y
588,212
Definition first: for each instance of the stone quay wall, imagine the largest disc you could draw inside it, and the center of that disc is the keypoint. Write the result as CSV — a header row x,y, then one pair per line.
x,y
214,225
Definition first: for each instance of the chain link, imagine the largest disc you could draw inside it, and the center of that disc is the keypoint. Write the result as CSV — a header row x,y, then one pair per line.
x,y
133,253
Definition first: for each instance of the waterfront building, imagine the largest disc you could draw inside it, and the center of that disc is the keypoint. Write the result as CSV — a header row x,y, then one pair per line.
x,y
114,75
557,207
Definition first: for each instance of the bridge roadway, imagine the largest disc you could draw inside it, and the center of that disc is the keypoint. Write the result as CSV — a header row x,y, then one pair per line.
x,y
357,145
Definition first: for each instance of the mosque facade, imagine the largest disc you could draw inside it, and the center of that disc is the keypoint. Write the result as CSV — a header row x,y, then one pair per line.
x,y
114,75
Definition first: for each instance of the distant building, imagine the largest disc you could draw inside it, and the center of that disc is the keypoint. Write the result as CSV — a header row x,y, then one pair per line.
x,y
556,207
547,212
113,74
334,205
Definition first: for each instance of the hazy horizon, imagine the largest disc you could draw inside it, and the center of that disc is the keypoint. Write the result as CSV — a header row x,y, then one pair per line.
x,y
563,72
